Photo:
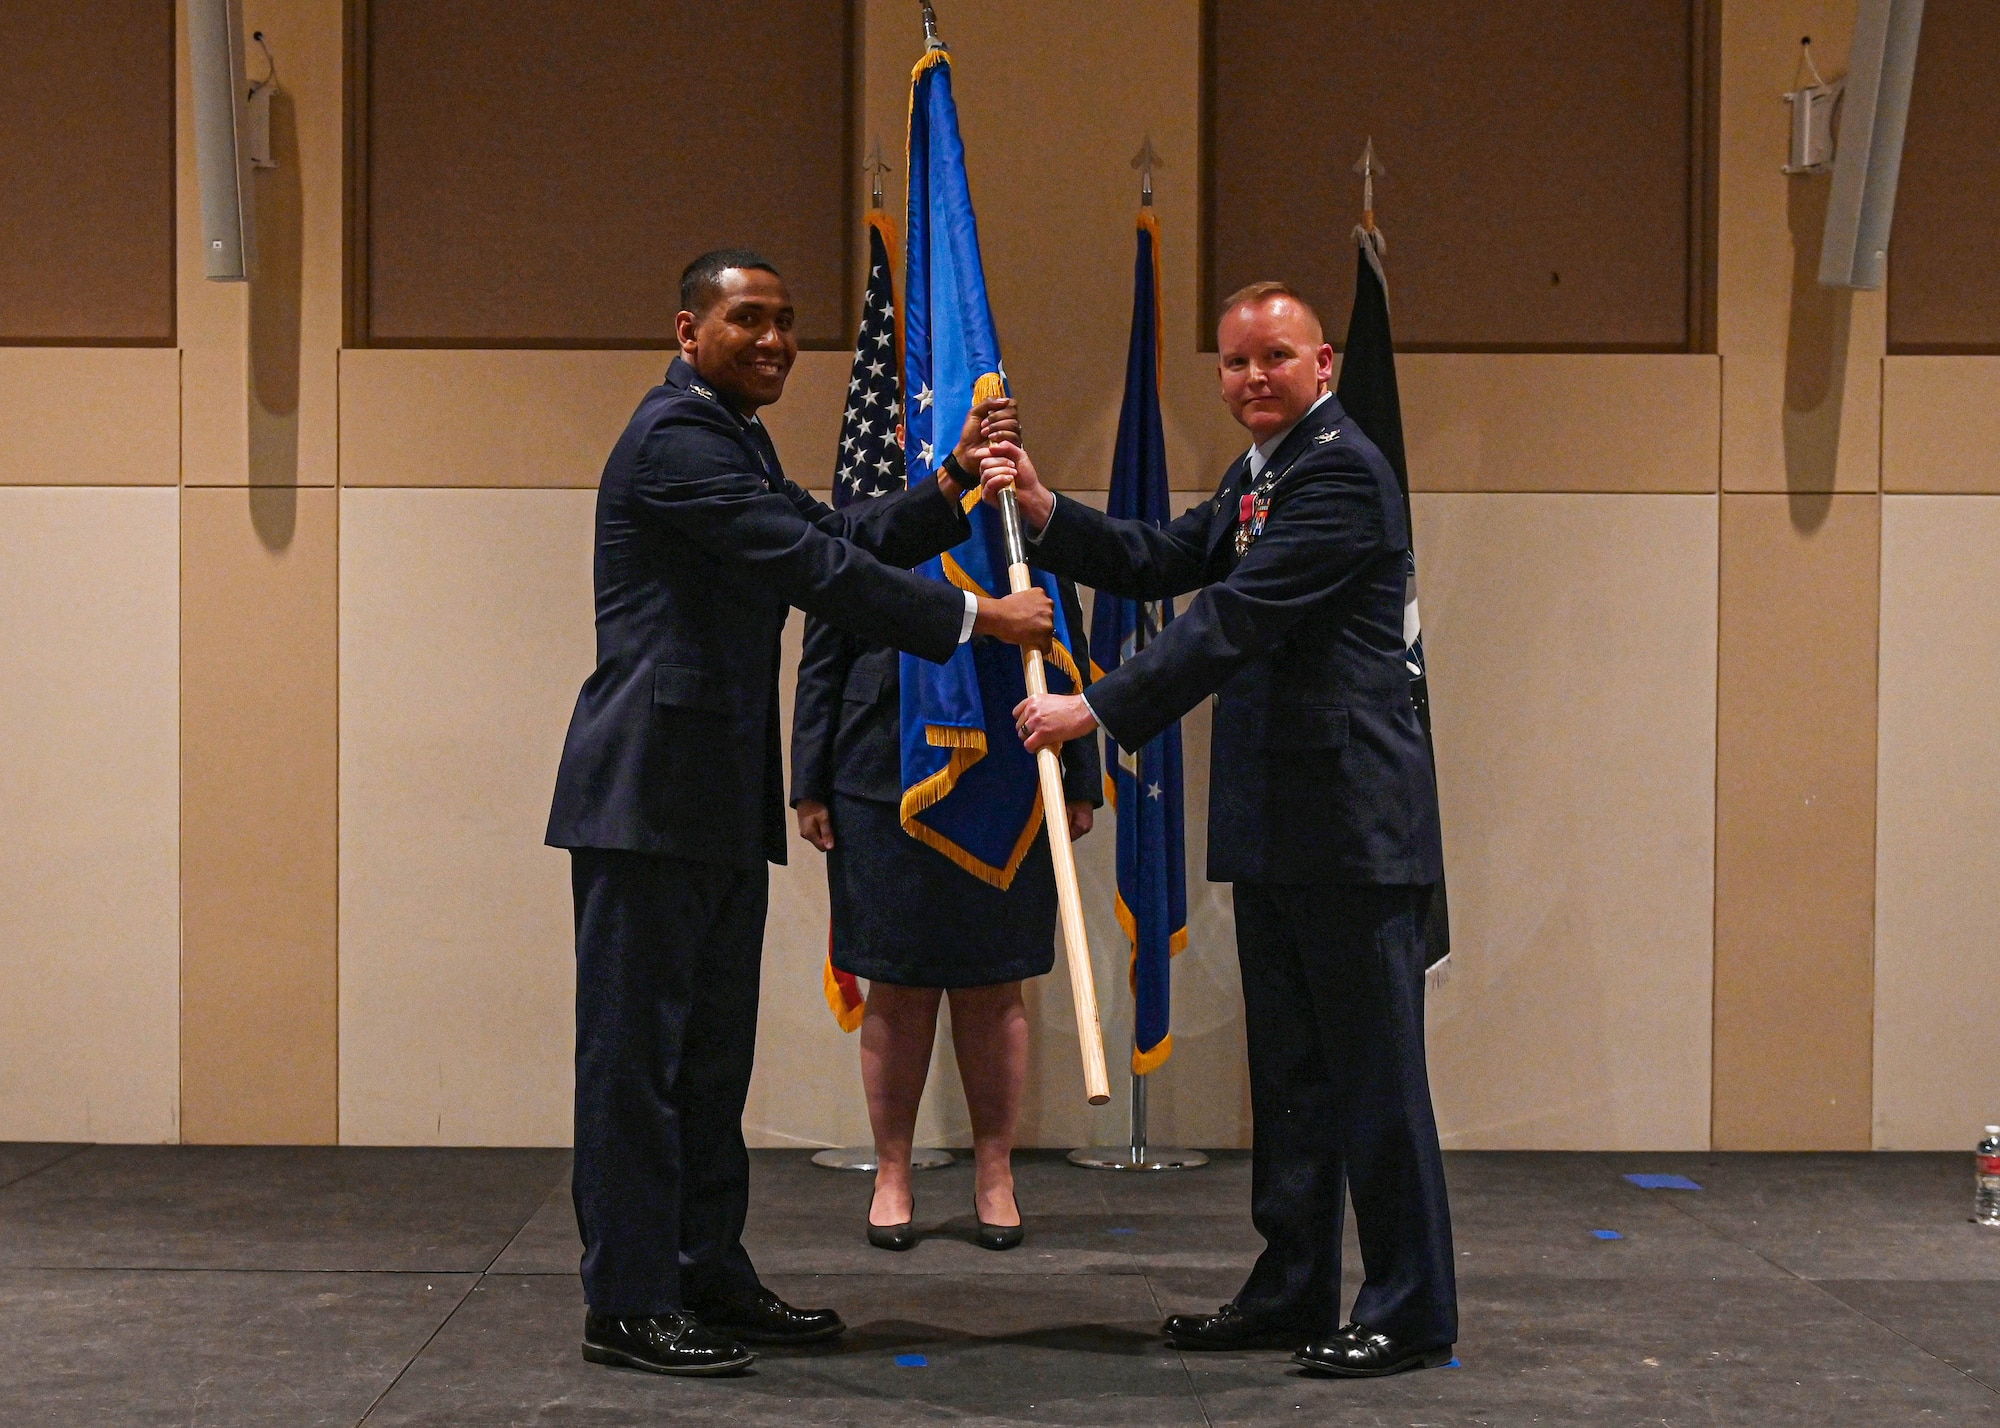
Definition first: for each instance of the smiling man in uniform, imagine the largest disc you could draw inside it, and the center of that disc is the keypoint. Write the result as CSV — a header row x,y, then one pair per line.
x,y
1322,812
671,799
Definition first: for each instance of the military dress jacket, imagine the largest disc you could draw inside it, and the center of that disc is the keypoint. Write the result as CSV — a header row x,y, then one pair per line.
x,y
702,546
1318,768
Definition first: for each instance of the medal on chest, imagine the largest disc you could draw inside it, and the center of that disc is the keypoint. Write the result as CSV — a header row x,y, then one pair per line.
x,y
1251,513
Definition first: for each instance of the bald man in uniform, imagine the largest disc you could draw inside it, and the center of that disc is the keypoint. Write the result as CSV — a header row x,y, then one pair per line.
x,y
1322,813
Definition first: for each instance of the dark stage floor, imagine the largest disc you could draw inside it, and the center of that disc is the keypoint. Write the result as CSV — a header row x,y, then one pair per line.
x,y
197,1286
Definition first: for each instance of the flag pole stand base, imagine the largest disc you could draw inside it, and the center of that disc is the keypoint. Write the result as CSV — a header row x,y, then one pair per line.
x,y
1135,1154
1136,1157
862,1157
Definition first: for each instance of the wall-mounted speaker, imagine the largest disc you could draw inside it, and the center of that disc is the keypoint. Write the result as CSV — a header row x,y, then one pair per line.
x,y
1855,250
221,128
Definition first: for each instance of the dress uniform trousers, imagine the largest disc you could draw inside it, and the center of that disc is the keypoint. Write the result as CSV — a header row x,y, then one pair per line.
x,y
667,958
1333,997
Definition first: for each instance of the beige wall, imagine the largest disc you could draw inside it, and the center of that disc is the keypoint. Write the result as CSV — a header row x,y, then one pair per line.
x,y
1699,897
464,633
1937,913
1571,643
88,903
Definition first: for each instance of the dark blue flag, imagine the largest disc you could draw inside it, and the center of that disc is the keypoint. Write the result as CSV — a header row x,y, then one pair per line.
x,y
1144,785
1368,394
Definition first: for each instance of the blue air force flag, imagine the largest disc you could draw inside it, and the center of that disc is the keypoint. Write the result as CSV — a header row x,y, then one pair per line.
x,y
974,798
1144,785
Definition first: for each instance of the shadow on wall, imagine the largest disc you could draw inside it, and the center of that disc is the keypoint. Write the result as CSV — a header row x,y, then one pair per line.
x,y
1815,361
275,307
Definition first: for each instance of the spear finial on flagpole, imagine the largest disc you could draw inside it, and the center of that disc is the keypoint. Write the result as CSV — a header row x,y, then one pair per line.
x,y
1145,161
931,40
875,167
1368,166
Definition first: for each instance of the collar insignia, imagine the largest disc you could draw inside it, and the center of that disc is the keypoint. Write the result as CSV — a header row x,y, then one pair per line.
x,y
1324,437
700,391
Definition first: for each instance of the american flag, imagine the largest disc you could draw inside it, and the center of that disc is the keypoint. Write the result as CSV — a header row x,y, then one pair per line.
x,y
871,458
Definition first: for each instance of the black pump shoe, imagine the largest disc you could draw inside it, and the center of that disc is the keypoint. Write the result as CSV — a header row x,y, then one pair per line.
x,y
892,1237
1360,1352
1001,1237
663,1343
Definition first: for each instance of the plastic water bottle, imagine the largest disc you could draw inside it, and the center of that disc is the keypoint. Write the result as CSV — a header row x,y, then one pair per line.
x,y
1986,1162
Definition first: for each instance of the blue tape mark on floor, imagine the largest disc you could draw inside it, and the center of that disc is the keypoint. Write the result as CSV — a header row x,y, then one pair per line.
x,y
1606,1235
1454,1364
912,1361
1122,1230
1663,1182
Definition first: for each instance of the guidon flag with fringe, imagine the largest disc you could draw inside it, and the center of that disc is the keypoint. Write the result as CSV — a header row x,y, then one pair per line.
x,y
973,796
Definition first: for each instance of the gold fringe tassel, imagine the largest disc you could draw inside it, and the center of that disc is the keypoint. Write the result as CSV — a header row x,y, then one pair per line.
x,y
846,1013
1176,944
1144,1063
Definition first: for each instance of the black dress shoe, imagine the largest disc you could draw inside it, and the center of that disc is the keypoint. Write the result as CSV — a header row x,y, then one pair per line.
x,y
663,1343
1360,1352
764,1318
999,1237
1231,1328
892,1237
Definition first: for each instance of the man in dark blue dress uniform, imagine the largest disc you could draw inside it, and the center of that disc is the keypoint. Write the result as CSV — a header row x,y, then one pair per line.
x,y
671,797
1322,812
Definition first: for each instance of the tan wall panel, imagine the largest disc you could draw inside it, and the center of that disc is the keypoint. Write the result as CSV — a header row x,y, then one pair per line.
x,y
1511,134
1937,915
414,418
538,419
1941,425
1522,422
465,632
88,914
1800,386
1795,822
80,416
1944,290
88,171
258,816
1571,642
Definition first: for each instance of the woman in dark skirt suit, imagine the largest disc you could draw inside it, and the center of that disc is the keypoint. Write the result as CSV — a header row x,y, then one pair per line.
x,y
918,928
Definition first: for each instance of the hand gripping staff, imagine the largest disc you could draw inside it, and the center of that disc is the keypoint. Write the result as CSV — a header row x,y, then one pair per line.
x,y
1069,897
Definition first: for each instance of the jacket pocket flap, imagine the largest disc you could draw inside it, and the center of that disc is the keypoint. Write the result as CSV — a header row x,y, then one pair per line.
x,y
682,686
1307,726
864,685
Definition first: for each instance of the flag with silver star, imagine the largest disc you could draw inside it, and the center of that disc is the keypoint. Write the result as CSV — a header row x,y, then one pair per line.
x,y
871,455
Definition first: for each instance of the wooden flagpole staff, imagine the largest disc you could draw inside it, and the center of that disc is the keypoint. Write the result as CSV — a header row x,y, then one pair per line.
x,y
1055,808
1069,897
